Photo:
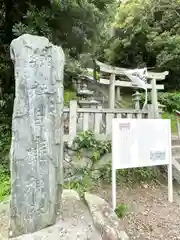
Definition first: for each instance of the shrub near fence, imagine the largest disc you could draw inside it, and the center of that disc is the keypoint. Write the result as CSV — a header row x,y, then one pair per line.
x,y
171,100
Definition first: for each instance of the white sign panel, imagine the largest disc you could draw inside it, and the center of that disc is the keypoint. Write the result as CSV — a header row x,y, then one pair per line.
x,y
140,143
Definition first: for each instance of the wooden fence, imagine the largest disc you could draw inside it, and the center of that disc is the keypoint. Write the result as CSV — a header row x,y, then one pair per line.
x,y
97,120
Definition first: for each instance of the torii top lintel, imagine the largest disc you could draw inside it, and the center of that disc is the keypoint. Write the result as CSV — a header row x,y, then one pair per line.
x,y
121,71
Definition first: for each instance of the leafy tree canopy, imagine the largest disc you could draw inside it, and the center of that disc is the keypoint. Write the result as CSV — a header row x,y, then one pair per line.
x,y
76,25
148,33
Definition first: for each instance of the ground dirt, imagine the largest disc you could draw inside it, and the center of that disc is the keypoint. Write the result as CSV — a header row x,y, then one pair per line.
x,y
150,215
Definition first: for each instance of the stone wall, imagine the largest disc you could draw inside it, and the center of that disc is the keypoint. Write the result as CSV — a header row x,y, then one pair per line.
x,y
78,162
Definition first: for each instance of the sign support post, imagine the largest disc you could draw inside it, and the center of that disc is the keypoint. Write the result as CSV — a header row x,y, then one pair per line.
x,y
141,143
170,176
170,184
113,188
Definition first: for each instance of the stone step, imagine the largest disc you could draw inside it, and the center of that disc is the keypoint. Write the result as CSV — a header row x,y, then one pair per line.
x,y
175,140
176,158
176,151
176,172
175,169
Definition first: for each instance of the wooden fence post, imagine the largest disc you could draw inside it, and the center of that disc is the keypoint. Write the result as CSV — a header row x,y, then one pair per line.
x,y
72,120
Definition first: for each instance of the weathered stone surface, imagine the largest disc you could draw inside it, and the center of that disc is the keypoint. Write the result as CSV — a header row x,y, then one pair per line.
x,y
96,174
100,169
175,156
105,161
105,220
36,148
176,173
175,140
74,163
176,151
74,223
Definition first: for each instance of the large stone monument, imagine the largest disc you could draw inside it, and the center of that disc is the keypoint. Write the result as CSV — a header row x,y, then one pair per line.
x,y
36,149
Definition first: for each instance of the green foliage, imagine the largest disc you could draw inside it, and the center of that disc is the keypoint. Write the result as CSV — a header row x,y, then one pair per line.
x,y
5,141
170,100
172,117
5,129
97,76
81,186
73,24
121,210
87,140
131,176
4,184
77,26
146,174
68,96
147,34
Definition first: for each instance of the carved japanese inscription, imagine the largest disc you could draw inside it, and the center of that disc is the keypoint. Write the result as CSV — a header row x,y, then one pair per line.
x,y
36,149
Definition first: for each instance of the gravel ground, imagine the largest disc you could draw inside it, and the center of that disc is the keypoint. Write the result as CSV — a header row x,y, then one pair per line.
x,y
150,215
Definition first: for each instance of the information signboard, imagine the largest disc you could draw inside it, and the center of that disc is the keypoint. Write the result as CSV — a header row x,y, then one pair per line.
x,y
141,143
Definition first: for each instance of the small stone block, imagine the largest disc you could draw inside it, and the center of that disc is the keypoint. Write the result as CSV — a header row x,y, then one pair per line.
x,y
123,236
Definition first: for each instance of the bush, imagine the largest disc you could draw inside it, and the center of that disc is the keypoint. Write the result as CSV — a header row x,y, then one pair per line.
x,y
87,140
171,100
5,186
5,141
172,117
68,96
132,176
121,210
80,185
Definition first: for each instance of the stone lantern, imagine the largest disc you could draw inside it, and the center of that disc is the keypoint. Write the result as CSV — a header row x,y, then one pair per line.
x,y
86,98
136,98
86,101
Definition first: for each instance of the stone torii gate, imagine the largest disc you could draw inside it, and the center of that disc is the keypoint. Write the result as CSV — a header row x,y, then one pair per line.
x,y
115,85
